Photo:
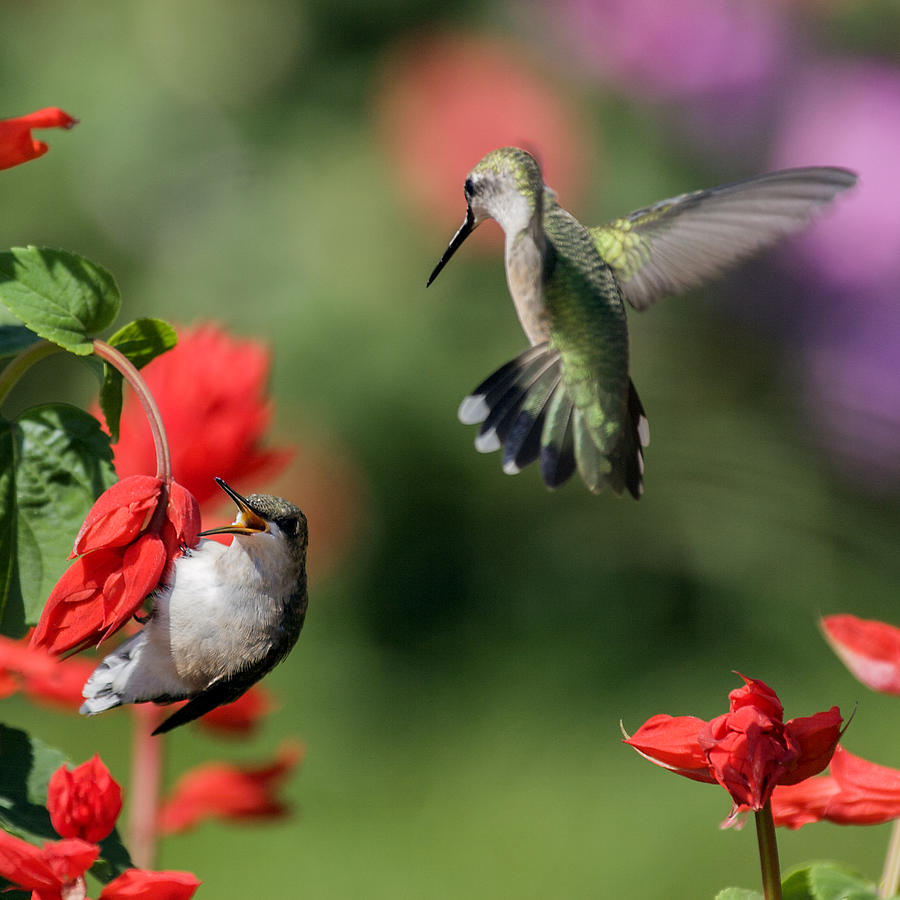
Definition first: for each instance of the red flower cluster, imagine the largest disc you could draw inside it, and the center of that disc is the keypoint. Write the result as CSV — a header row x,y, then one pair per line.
x,y
748,750
129,538
211,393
83,806
226,791
16,143
856,792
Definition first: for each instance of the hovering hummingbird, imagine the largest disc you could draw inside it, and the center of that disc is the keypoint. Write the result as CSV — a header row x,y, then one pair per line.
x,y
568,400
226,616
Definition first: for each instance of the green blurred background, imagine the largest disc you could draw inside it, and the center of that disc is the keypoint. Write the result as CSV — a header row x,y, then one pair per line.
x,y
293,171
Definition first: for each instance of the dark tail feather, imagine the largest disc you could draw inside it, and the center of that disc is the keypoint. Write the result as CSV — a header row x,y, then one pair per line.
x,y
524,408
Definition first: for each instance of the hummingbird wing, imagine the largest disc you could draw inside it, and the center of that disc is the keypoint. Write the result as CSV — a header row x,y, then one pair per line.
x,y
678,243
225,690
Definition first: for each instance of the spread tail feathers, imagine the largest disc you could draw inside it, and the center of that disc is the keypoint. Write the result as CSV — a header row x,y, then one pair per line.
x,y
524,409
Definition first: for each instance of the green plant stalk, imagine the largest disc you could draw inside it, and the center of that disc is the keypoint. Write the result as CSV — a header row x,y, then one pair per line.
x,y
20,364
890,876
768,853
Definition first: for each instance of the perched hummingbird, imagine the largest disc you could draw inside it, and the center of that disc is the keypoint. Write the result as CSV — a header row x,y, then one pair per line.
x,y
568,400
226,616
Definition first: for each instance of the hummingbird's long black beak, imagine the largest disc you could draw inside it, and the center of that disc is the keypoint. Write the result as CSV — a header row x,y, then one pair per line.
x,y
247,522
467,227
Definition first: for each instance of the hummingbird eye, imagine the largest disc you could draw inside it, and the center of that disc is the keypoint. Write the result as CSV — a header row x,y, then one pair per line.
x,y
469,187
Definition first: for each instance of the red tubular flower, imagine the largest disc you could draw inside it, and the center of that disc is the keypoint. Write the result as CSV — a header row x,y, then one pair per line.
x,y
129,538
40,675
211,393
84,802
139,884
16,143
226,791
868,648
50,872
748,750
857,792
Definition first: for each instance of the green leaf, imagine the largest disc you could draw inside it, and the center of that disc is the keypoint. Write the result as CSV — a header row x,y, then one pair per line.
x,y
58,295
141,341
54,462
827,881
734,893
26,764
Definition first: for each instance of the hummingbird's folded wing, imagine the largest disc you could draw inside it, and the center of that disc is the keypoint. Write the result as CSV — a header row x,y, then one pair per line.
x,y
678,243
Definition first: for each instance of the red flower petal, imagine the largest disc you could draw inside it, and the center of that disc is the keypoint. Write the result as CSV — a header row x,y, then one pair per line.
x,y
143,565
226,791
17,145
816,738
119,515
138,884
868,648
183,515
796,805
758,694
671,742
84,802
41,675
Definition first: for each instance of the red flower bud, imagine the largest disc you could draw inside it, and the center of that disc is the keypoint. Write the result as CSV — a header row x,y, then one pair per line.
x,y
17,145
84,802
47,870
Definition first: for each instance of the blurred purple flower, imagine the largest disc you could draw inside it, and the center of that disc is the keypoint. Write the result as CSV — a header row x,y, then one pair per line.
x,y
852,369
696,48
848,114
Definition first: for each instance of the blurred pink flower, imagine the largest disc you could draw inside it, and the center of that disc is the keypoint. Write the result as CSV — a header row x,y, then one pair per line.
x,y
652,49
445,100
847,113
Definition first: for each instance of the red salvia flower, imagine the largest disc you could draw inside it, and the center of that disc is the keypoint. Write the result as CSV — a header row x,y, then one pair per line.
x,y
139,884
16,143
84,802
211,393
868,648
227,791
127,542
748,750
51,871
41,675
856,792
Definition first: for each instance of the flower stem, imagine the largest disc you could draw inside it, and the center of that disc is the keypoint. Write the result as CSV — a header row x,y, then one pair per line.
x,y
768,853
146,777
20,364
890,876
126,368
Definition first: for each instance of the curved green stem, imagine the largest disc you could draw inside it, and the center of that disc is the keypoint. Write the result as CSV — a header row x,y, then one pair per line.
x,y
126,368
20,364
768,853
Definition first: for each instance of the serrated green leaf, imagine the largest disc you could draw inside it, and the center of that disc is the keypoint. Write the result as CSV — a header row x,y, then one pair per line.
x,y
734,893
26,764
63,462
59,295
141,341
796,885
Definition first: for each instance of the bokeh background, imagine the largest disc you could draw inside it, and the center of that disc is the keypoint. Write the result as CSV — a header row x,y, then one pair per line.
x,y
293,171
